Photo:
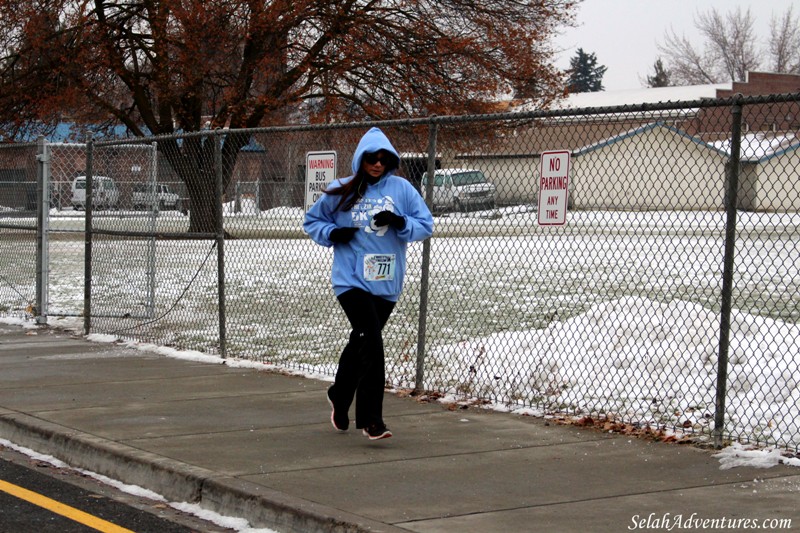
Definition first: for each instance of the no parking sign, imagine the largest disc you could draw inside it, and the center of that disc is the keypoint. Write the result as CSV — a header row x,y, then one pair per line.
x,y
553,188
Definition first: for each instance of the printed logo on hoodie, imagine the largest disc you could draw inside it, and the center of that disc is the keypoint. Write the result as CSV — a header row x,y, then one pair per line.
x,y
366,208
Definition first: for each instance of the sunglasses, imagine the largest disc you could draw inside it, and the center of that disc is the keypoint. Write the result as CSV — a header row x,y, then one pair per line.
x,y
373,158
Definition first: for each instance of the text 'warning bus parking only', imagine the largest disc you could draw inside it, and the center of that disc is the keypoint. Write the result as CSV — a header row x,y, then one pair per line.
x,y
320,171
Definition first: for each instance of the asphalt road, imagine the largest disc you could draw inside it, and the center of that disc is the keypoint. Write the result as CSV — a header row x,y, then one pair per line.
x,y
35,496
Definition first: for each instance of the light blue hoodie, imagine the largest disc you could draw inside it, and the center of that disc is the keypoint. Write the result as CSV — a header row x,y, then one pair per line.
x,y
375,259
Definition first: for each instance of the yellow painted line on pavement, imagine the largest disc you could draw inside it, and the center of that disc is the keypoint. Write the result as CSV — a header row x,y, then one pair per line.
x,y
62,509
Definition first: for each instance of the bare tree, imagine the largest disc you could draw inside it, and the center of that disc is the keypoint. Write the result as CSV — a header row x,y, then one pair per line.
x,y
730,49
688,65
784,43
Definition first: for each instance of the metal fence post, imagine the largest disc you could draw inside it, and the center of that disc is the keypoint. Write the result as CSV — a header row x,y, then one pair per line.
x,y
220,230
419,384
42,220
731,189
152,196
87,251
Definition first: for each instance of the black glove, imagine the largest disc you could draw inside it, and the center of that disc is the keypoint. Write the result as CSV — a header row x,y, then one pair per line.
x,y
342,235
387,218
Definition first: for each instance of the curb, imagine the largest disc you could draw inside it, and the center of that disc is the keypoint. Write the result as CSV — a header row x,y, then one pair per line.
x,y
180,482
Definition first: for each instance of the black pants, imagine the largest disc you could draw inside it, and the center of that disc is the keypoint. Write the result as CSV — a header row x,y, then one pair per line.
x,y
361,373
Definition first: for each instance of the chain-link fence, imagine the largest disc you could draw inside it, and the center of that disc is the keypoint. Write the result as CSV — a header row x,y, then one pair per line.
x,y
615,262
18,229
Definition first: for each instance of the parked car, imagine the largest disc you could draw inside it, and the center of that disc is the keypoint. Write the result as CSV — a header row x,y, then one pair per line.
x,y
150,196
105,194
460,189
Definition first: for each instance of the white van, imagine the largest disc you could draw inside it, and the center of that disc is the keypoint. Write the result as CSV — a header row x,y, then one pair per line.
x,y
105,194
460,189
152,195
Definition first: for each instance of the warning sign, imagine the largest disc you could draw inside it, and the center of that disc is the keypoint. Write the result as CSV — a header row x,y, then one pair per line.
x,y
320,171
553,188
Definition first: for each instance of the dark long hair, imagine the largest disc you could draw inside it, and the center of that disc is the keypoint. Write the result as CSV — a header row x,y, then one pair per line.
x,y
352,191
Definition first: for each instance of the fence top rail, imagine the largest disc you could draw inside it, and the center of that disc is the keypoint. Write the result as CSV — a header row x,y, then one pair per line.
x,y
128,143
68,144
511,116
8,146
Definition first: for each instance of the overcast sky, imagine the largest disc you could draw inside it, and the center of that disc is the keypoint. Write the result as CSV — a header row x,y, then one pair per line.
x,y
623,34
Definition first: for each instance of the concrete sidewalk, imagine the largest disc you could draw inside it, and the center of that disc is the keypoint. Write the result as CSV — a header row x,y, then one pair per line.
x,y
260,446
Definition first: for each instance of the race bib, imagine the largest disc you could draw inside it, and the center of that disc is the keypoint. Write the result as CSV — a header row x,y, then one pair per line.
x,y
379,267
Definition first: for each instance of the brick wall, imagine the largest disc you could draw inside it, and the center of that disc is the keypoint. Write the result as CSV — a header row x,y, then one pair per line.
x,y
760,83
773,117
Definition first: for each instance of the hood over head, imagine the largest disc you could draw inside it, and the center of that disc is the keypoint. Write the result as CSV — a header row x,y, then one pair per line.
x,y
373,141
